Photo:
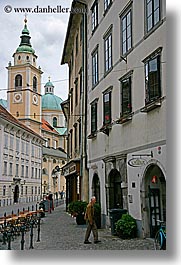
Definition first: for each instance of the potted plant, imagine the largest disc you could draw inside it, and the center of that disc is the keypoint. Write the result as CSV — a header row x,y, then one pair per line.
x,y
126,227
77,209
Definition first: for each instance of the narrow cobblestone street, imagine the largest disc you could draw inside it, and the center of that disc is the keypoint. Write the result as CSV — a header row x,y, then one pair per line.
x,y
59,231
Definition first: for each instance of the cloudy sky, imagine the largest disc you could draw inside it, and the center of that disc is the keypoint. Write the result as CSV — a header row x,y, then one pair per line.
x,y
47,31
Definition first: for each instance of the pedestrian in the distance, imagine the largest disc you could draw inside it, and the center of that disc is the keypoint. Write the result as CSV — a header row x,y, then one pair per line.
x,y
91,224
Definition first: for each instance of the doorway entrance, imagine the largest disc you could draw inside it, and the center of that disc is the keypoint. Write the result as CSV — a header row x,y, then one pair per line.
x,y
155,200
16,194
96,188
115,191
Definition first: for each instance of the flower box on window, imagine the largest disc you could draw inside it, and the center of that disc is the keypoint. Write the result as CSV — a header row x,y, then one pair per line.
x,y
125,118
152,105
92,135
106,128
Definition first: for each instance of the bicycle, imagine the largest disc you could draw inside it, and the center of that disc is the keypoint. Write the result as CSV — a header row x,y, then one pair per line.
x,y
160,237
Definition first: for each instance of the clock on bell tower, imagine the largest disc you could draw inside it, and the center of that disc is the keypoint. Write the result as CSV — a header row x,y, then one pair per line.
x,y
24,84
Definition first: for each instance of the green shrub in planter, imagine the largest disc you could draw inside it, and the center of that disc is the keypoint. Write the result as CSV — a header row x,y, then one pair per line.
x,y
77,209
126,227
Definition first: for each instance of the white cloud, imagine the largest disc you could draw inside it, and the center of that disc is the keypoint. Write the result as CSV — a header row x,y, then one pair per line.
x,y
47,31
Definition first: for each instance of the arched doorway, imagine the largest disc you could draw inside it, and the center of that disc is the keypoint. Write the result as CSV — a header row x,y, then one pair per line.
x,y
16,194
154,202
96,187
115,191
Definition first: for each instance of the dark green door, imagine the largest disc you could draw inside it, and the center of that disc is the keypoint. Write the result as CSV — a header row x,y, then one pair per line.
x,y
155,214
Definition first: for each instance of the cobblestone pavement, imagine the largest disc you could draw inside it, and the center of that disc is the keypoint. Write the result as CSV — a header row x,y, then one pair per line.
x,y
59,231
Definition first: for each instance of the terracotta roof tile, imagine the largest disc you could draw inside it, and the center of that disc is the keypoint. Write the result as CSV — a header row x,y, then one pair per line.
x,y
46,126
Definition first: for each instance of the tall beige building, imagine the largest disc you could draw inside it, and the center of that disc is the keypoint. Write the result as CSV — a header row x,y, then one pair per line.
x,y
74,54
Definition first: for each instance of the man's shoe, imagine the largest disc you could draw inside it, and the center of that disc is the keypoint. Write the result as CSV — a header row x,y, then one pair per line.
x,y
97,241
87,242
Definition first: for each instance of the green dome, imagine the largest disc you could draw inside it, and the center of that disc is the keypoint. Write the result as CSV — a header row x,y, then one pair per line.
x,y
25,48
51,102
49,84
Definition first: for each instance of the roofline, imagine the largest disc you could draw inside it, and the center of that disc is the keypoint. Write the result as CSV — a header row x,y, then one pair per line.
x,y
50,132
18,124
74,2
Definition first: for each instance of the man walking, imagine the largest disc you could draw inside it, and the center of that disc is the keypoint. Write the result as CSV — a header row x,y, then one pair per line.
x,y
89,216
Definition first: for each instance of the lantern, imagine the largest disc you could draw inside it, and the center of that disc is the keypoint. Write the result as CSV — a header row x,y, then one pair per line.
x,y
154,179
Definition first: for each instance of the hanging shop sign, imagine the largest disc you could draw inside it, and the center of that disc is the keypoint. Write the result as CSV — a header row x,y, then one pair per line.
x,y
137,162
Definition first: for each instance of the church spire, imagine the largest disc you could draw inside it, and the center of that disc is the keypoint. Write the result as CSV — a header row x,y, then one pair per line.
x,y
25,45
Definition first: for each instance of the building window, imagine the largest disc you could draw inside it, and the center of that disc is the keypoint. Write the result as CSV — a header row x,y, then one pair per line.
x,y
48,142
77,44
152,13
17,170
11,142
76,92
18,82
36,173
17,144
94,10
6,141
55,144
32,172
26,190
26,171
34,84
72,101
80,135
21,189
10,169
22,147
32,190
71,141
126,107
54,121
152,79
108,52
94,117
27,148
72,59
126,31
75,136
5,168
95,68
80,88
107,108
107,4
4,190
32,150
22,170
